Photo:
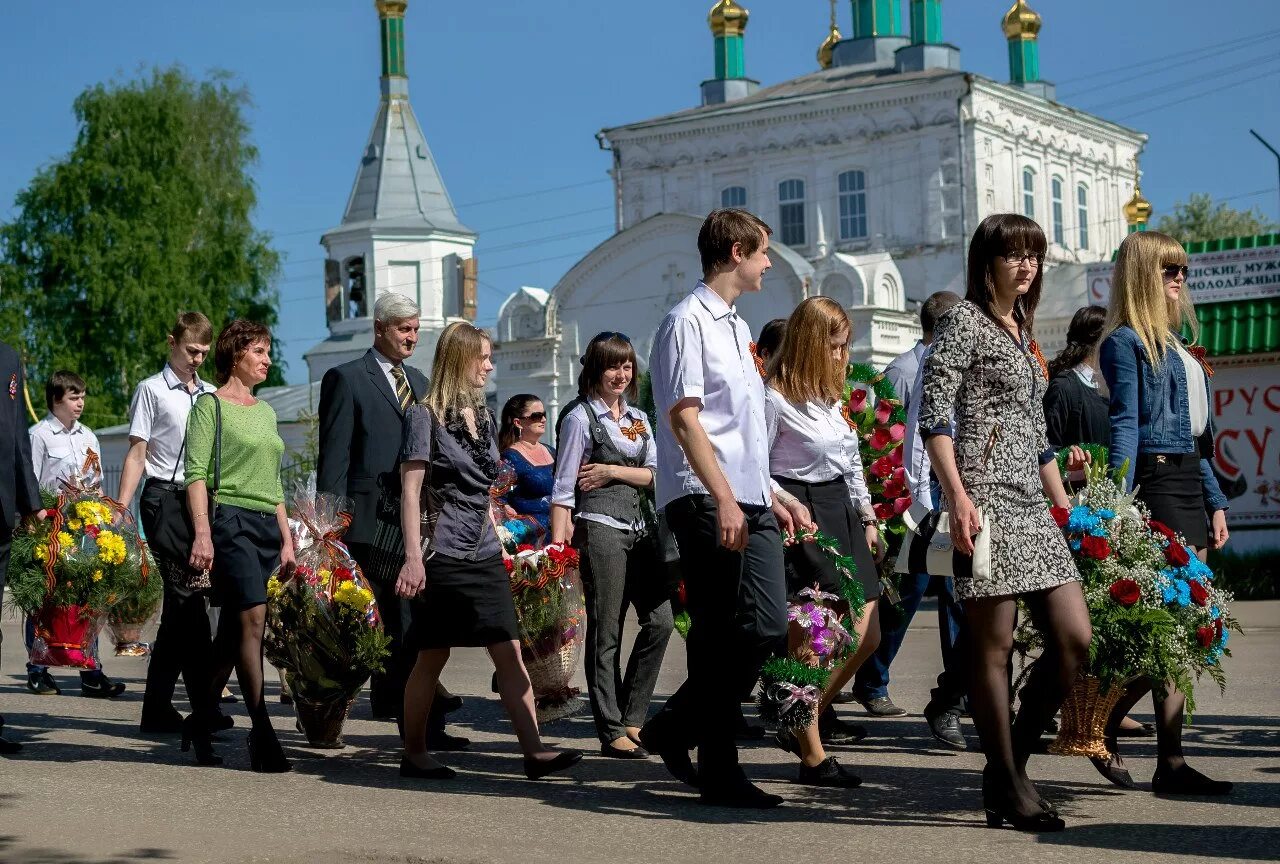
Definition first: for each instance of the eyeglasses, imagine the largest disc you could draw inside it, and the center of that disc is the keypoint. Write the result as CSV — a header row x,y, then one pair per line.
x,y
1171,271
1024,259
536,416
609,334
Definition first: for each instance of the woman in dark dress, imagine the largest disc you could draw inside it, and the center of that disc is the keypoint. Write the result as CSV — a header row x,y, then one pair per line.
x,y
1075,406
453,562
1162,430
524,422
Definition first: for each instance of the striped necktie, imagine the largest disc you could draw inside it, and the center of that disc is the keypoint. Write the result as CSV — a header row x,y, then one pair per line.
x,y
404,395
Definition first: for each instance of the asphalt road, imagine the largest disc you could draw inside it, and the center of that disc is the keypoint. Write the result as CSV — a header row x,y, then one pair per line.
x,y
89,788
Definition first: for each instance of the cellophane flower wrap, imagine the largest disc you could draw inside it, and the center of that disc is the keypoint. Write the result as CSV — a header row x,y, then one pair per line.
x,y
517,530
323,626
551,610
1152,603
872,408
72,569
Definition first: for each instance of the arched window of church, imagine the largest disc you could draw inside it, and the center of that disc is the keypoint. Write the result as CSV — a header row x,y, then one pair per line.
x,y
354,292
733,196
853,205
1028,193
1082,214
1055,197
791,212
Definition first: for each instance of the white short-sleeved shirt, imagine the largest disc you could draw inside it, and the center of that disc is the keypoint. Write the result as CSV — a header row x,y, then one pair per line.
x,y
158,415
57,452
702,351
813,443
574,445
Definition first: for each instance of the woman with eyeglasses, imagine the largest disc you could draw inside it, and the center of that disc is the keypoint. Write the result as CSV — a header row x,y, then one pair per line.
x,y
449,461
1162,430
604,473
524,422
983,421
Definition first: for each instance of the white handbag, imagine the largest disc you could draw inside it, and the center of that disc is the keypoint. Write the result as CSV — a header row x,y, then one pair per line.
x,y
927,546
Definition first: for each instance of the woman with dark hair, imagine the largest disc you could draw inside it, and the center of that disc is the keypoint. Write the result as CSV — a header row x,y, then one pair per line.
x,y
770,339
249,533
983,418
604,473
524,422
453,561
1162,431
1075,408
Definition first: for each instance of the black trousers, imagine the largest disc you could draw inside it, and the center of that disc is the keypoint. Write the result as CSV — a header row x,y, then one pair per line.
x,y
738,619
184,640
6,542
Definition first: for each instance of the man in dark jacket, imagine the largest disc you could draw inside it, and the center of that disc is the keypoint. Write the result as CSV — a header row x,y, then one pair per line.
x,y
19,492
362,405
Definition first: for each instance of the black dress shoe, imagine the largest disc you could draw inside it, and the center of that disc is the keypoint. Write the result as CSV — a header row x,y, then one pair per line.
x,y
101,687
882,706
1142,730
1186,780
844,697
536,769
438,739
8,748
449,704
743,795
169,723
1114,773
833,730
440,772
829,772
945,726
611,752
674,755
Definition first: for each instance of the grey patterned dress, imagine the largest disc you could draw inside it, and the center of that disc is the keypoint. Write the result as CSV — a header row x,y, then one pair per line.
x,y
978,372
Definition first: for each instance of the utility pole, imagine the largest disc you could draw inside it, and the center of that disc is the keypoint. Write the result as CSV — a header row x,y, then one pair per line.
x,y
1264,143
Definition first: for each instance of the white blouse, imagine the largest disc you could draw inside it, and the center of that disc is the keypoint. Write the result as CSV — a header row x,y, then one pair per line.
x,y
813,443
1197,393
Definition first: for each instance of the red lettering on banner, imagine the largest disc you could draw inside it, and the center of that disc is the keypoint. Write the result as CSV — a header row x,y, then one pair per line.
x,y
1259,447
1221,399
1248,396
1225,463
1271,398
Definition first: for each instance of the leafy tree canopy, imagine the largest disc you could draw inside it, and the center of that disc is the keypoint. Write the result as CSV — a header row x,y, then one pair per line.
x,y
147,216
1198,218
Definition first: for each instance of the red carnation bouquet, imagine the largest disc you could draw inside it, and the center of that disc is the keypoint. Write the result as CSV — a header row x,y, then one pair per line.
x,y
551,610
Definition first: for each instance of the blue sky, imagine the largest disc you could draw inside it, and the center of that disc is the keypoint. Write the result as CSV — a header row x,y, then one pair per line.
x,y
510,95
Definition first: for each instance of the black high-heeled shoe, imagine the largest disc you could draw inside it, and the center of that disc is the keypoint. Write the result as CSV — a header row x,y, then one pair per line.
x,y
999,808
196,734
265,753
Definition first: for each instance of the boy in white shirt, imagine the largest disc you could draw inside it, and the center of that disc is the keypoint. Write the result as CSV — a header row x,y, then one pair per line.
x,y
59,445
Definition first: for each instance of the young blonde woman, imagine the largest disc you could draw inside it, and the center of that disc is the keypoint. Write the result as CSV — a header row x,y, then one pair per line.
x,y
814,457
464,598
1162,429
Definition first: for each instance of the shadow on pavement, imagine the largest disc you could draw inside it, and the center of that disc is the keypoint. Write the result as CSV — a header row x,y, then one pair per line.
x,y
1204,841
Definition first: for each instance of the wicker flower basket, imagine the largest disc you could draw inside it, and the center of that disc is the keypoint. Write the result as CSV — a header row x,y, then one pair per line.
x,y
1084,718
322,722
550,676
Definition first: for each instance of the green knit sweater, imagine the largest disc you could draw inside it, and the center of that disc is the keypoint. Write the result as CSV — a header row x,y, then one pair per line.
x,y
251,451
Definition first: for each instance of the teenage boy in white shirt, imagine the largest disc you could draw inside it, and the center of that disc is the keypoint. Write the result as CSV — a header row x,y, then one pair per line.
x,y
713,481
59,445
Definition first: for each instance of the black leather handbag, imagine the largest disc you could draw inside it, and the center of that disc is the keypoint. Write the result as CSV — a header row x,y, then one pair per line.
x,y
170,532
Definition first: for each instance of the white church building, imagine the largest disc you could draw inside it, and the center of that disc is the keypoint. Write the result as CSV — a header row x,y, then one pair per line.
x,y
872,171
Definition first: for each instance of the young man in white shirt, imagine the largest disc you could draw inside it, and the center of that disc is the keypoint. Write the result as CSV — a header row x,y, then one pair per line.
x,y
59,445
713,481
157,433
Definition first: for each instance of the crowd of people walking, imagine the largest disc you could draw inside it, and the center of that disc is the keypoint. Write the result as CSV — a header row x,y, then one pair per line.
x,y
736,461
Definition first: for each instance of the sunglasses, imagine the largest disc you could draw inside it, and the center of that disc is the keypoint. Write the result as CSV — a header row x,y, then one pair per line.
x,y
1171,271
609,334
536,416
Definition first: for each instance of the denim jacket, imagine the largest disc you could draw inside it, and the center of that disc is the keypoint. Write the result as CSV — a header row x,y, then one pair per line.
x,y
1149,410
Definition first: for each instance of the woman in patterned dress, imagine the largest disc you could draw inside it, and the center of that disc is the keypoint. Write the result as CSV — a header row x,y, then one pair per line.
x,y
984,381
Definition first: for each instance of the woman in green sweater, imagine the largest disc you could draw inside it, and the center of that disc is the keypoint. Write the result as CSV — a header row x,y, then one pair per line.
x,y
249,531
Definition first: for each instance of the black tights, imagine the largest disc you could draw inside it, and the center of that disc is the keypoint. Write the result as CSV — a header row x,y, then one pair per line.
x,y
239,646
1169,709
1061,615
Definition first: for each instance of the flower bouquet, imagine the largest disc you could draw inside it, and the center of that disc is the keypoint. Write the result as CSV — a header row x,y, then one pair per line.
x,y
127,618
323,627
791,687
550,607
71,569
512,531
1154,610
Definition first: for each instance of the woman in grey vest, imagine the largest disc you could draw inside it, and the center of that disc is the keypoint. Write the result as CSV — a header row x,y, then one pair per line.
x,y
605,465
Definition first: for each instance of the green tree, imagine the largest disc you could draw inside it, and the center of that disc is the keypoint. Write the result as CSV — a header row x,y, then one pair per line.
x,y
148,215
1198,218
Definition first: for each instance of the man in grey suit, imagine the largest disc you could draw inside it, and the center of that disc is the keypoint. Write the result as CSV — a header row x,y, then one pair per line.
x,y
19,492
362,405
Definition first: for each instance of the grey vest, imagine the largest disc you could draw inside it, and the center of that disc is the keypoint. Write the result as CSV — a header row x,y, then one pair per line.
x,y
617,500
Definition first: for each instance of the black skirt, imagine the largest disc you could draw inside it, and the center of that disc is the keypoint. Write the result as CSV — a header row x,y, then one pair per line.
x,y
1173,490
832,510
466,604
246,549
